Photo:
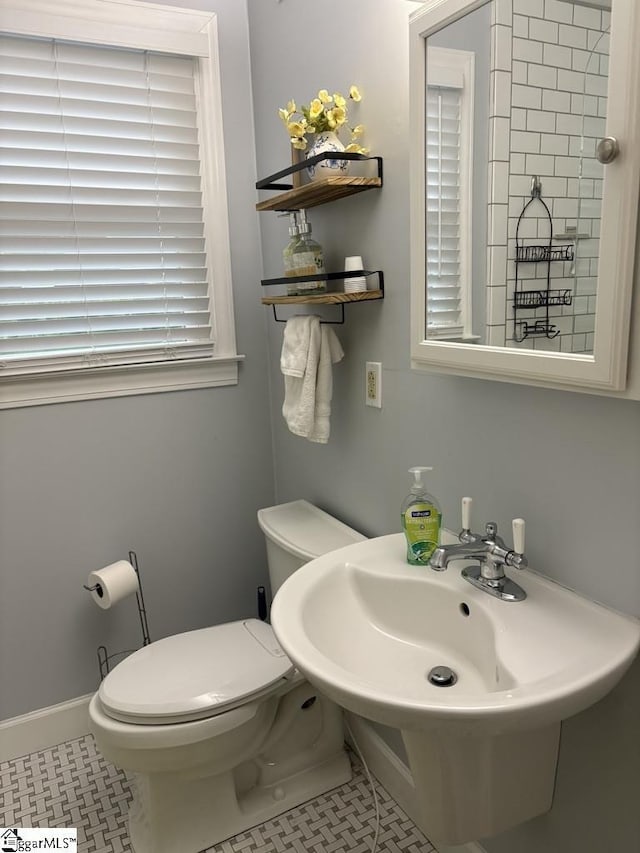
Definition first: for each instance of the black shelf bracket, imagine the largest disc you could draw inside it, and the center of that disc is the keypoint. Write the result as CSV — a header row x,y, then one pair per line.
x,y
322,322
271,182
325,276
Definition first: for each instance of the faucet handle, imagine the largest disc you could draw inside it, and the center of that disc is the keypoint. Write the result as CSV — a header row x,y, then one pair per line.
x,y
465,534
466,513
518,535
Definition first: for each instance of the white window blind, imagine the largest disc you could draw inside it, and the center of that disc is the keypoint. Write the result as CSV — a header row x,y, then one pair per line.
x,y
443,213
102,250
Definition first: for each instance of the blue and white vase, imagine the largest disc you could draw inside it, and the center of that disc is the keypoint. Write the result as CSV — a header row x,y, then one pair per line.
x,y
326,141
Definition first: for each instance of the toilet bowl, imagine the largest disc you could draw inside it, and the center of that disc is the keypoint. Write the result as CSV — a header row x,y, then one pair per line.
x,y
217,729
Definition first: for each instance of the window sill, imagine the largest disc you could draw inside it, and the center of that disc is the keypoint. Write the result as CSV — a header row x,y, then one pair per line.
x,y
102,382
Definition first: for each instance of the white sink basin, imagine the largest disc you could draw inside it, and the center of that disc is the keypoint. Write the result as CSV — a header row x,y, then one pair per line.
x,y
366,628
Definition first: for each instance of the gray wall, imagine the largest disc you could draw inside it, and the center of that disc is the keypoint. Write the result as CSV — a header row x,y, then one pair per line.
x,y
568,463
177,477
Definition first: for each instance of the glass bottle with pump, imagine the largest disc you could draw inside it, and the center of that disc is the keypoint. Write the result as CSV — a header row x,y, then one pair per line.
x,y
287,253
308,259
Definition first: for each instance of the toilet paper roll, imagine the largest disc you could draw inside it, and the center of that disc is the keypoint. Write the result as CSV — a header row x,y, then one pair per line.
x,y
113,583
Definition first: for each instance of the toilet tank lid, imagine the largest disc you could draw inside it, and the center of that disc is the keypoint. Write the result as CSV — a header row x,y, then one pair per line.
x,y
305,530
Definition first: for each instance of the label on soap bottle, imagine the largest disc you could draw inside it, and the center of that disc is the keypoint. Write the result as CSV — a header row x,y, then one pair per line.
x,y
308,263
421,523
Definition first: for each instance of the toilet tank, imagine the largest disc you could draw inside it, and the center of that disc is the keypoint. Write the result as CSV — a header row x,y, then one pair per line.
x,y
297,532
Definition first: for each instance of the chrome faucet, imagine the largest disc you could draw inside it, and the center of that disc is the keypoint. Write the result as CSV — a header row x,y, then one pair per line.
x,y
492,553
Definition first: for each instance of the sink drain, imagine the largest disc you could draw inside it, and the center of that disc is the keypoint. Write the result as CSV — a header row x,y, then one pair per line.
x,y
442,676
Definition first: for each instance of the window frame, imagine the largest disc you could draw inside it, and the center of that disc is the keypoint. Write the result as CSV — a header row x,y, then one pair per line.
x,y
455,69
168,30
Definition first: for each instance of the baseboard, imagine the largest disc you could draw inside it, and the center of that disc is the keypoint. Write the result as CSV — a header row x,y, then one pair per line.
x,y
44,728
394,775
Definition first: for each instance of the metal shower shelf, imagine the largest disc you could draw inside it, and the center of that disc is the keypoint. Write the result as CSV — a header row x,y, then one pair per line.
x,y
540,254
541,298
523,330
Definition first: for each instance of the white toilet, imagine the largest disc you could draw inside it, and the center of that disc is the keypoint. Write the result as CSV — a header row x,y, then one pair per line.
x,y
216,726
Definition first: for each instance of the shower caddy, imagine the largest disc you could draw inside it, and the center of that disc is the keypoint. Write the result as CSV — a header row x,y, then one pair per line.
x,y
536,254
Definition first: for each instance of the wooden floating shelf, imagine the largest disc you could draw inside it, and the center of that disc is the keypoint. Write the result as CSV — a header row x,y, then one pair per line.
x,y
319,192
324,298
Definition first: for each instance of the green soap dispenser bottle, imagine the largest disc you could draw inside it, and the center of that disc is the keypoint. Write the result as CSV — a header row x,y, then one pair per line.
x,y
421,520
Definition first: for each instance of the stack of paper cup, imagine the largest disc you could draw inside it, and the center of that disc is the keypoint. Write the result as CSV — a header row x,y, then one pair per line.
x,y
358,283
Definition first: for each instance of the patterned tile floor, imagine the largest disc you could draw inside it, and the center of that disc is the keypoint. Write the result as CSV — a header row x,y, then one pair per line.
x,y
72,785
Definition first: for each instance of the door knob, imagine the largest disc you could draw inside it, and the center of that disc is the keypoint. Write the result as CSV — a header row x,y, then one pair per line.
x,y
607,150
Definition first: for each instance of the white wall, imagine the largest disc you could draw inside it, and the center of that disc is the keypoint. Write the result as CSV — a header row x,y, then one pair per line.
x,y
568,463
177,477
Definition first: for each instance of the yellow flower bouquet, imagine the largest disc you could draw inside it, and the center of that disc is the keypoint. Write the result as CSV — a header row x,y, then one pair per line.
x,y
323,114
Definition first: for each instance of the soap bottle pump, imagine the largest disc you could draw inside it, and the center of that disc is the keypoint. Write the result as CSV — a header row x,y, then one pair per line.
x,y
421,520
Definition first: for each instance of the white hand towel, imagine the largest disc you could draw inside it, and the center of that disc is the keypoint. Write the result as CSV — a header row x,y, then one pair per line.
x,y
331,352
299,364
295,344
308,351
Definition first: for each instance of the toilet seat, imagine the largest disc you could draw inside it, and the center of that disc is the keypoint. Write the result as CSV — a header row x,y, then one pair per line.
x,y
196,674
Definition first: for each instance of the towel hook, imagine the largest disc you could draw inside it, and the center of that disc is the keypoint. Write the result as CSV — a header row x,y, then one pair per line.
x,y
536,186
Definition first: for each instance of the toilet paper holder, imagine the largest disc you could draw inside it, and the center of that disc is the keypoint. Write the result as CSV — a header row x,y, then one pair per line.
x,y
104,657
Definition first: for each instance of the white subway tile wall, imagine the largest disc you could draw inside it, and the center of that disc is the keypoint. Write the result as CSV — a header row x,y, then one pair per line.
x,y
556,73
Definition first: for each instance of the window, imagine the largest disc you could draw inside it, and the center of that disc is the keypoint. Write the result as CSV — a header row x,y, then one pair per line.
x,y
449,122
115,248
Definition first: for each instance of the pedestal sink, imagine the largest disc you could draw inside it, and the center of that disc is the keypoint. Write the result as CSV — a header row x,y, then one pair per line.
x,y
368,630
